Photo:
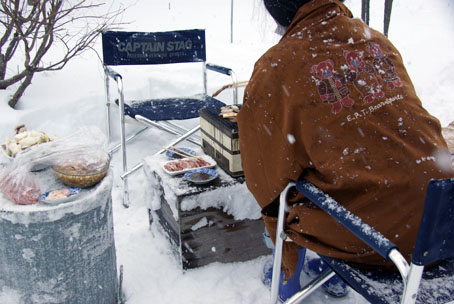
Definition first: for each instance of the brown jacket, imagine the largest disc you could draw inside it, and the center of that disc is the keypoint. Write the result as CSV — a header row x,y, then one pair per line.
x,y
332,102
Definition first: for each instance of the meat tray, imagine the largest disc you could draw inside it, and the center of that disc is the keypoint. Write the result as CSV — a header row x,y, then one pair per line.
x,y
187,161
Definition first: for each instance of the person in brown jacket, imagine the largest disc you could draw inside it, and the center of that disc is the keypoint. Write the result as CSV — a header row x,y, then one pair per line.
x,y
333,103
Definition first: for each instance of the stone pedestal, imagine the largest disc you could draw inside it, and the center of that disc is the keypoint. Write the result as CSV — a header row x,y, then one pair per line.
x,y
60,254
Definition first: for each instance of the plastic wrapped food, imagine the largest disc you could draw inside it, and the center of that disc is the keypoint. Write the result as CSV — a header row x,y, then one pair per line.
x,y
19,187
79,173
23,139
85,148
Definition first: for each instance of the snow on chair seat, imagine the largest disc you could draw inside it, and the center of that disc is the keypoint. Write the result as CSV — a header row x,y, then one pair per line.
x,y
170,108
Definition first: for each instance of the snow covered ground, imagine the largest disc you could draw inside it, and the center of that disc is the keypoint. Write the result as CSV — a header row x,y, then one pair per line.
x,y
60,102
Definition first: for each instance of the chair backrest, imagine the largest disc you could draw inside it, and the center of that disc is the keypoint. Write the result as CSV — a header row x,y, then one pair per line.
x,y
138,48
436,231
365,13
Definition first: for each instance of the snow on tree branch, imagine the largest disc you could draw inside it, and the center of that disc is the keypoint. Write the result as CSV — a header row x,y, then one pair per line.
x,y
44,35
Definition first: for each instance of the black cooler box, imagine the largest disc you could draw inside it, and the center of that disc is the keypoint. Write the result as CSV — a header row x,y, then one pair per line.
x,y
220,140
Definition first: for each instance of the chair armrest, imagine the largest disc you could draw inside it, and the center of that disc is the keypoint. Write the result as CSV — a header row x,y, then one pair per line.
x,y
225,71
353,223
219,69
111,73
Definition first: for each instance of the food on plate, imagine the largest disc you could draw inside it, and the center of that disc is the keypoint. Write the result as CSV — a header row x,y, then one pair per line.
x,y
81,172
228,115
177,156
229,111
24,139
80,169
199,176
184,164
56,197
58,194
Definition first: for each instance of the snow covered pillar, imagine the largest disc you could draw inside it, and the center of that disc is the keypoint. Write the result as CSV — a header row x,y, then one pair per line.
x,y
59,254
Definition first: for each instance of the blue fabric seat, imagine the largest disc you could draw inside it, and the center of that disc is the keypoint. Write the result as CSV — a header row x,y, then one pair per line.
x,y
170,108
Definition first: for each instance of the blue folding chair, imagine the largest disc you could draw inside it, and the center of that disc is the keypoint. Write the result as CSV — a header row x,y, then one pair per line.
x,y
142,48
412,284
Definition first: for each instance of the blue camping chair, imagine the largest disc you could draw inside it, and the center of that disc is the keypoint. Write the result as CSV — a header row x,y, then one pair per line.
x,y
412,284
141,48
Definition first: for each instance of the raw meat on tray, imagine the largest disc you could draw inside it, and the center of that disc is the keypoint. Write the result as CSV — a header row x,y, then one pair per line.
x,y
184,164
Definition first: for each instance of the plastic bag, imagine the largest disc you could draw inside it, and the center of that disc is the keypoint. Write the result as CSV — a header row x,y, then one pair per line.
x,y
19,186
85,149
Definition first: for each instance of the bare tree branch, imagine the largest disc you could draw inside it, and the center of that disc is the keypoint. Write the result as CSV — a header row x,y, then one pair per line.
x,y
32,31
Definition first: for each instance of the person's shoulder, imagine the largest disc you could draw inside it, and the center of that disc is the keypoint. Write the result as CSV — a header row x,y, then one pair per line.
x,y
284,52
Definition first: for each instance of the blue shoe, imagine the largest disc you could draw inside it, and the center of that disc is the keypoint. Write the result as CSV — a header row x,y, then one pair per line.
x,y
268,273
334,286
268,267
289,287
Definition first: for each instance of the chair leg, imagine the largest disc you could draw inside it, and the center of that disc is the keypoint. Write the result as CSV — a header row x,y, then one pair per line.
x,y
163,127
195,139
125,193
126,173
123,141
280,236
173,143
108,118
125,170
412,284
107,95
311,286
117,147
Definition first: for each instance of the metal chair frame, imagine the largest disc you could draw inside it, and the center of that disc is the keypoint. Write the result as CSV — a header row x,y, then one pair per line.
x,y
365,14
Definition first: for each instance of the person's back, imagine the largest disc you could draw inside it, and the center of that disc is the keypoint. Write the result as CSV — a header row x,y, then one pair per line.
x,y
333,103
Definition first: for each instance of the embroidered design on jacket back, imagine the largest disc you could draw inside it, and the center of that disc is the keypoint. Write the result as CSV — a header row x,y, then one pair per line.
x,y
384,67
362,75
332,86
367,77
